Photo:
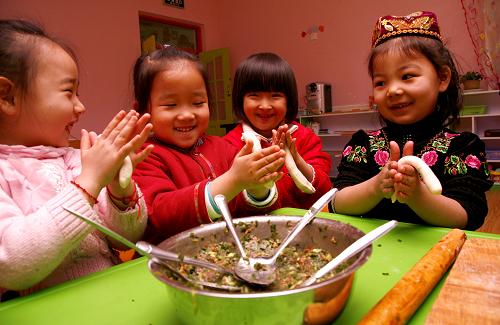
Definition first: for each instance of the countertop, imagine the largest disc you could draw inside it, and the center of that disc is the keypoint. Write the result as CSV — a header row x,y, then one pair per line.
x,y
129,294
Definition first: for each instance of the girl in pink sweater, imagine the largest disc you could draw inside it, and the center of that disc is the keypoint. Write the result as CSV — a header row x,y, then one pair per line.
x,y
41,244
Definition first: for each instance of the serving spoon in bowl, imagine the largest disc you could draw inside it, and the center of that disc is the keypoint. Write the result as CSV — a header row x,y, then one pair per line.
x,y
350,251
160,256
260,270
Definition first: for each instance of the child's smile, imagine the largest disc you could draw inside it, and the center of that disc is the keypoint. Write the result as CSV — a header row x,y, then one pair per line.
x,y
405,88
54,94
265,110
179,105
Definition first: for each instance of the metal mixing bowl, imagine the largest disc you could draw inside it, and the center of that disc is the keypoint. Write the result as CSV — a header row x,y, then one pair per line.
x,y
202,306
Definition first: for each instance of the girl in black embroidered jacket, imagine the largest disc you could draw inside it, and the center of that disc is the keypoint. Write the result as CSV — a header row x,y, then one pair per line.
x,y
416,89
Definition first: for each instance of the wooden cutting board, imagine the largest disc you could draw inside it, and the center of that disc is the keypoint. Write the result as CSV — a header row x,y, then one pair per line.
x,y
471,292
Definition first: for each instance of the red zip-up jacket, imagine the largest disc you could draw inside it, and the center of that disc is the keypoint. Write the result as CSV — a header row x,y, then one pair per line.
x,y
173,182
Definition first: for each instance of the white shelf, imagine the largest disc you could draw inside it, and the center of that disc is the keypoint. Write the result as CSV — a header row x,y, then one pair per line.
x,y
480,92
480,115
330,114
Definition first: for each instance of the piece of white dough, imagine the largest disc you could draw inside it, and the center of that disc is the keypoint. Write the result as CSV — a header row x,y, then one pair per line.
x,y
430,180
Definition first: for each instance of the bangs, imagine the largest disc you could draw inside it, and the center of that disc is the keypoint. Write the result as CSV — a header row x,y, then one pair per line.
x,y
264,77
410,46
265,72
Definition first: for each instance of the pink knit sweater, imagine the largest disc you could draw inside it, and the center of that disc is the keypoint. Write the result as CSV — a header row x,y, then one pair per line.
x,y
41,244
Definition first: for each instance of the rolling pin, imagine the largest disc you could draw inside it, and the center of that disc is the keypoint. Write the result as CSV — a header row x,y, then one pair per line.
x,y
399,304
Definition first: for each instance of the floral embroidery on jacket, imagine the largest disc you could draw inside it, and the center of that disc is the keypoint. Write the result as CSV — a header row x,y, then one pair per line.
x,y
378,144
381,157
453,165
377,141
356,155
473,161
430,157
439,144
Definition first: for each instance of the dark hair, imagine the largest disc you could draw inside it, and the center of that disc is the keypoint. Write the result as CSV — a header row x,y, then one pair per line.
x,y
265,72
18,51
449,102
149,65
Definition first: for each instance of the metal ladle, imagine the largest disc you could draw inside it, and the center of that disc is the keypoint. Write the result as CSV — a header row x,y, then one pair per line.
x,y
350,251
262,271
159,255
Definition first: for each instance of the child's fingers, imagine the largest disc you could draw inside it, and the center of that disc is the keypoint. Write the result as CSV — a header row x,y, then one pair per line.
x,y
272,177
141,155
407,170
113,123
274,137
293,148
269,156
246,150
142,121
270,168
288,139
84,140
124,130
139,139
93,137
394,151
120,131
408,149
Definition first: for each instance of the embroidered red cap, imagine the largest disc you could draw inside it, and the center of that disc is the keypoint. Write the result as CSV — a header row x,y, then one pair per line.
x,y
420,23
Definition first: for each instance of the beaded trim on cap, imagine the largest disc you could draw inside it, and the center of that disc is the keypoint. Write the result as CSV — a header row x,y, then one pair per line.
x,y
421,23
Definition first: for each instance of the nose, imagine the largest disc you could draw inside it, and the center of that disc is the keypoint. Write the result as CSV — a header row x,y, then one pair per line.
x,y
79,107
394,90
186,114
265,103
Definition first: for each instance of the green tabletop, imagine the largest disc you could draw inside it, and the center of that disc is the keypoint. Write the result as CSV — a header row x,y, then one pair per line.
x,y
129,294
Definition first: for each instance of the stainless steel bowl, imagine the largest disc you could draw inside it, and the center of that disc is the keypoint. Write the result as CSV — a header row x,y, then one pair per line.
x,y
318,301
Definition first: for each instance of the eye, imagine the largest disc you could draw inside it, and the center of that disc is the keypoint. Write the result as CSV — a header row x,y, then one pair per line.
x,y
378,83
278,95
199,104
407,76
252,95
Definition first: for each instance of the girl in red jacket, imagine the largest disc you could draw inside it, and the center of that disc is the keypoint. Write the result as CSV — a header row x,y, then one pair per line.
x,y
187,168
265,99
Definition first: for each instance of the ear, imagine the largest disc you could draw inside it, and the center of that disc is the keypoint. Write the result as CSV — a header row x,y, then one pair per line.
x,y
7,100
444,78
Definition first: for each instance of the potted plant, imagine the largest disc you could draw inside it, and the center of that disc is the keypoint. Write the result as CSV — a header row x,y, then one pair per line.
x,y
471,79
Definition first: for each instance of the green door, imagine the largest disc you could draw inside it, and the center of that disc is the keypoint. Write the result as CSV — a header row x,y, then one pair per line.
x,y
219,87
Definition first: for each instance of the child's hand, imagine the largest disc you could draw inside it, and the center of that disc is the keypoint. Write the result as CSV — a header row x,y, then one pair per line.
x,y
253,170
306,169
407,183
386,175
279,136
102,156
141,133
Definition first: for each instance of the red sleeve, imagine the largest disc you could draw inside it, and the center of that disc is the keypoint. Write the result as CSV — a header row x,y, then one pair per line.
x,y
172,207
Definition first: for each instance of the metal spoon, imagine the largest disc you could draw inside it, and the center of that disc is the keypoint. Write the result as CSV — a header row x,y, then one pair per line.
x,y
351,250
262,271
160,255
197,283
